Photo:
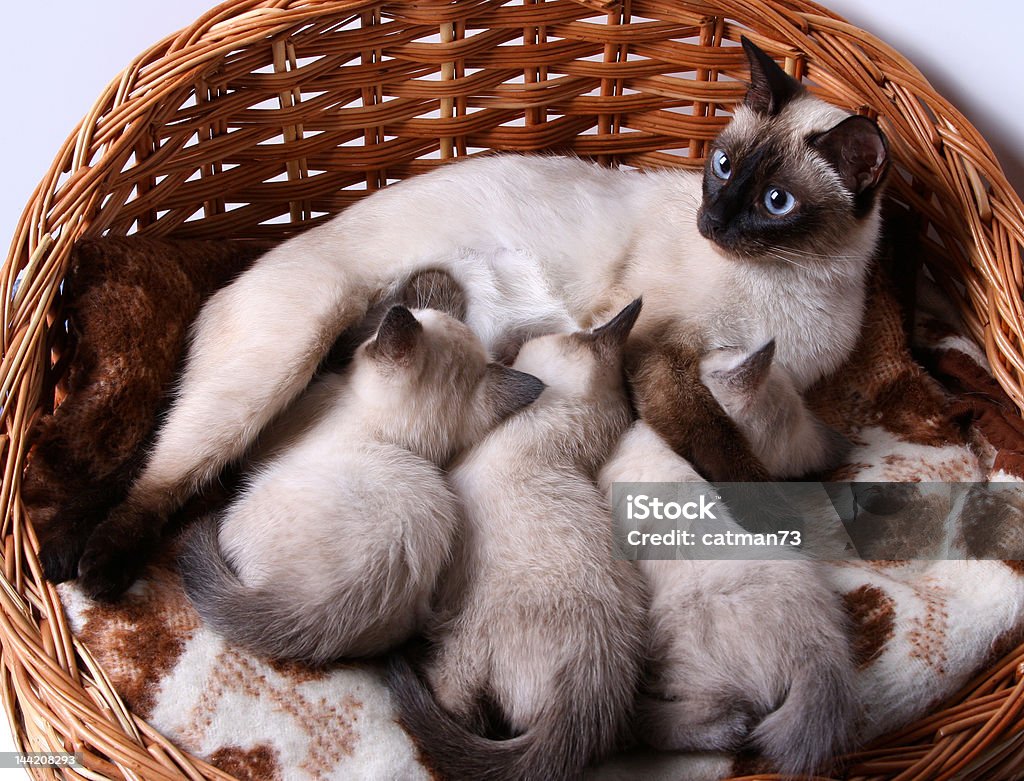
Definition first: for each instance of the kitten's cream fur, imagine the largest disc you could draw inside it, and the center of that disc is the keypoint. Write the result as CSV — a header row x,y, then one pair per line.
x,y
545,625
335,544
744,652
762,399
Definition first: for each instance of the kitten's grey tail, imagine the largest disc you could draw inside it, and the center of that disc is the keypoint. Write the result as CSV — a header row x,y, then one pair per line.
x,y
576,726
814,722
261,620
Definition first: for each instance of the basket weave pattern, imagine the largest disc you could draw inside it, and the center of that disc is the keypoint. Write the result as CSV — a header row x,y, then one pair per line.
x,y
265,116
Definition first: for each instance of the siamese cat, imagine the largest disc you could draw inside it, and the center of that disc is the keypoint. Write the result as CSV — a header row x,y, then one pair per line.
x,y
773,240
744,654
544,626
334,546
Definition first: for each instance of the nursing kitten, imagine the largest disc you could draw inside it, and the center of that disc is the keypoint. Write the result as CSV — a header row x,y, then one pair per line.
x,y
772,241
664,370
335,543
86,453
428,289
547,628
761,398
744,654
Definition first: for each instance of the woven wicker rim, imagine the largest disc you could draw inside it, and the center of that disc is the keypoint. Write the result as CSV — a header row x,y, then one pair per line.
x,y
295,109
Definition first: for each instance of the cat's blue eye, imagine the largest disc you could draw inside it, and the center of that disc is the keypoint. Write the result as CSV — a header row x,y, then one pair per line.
x,y
778,201
720,165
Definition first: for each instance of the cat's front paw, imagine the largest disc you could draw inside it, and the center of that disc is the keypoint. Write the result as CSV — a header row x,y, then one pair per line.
x,y
60,551
117,552
63,531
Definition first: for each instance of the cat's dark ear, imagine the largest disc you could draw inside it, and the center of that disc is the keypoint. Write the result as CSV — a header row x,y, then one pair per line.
x,y
771,88
398,335
748,375
508,390
613,334
859,152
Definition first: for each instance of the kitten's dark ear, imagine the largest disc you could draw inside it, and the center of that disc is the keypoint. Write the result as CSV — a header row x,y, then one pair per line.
x,y
749,375
835,449
771,88
858,151
435,289
398,335
508,390
614,333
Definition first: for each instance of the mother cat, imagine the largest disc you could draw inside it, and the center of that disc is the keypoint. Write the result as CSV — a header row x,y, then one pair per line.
x,y
778,248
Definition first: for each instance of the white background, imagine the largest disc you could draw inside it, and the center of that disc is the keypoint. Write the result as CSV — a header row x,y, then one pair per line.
x,y
61,54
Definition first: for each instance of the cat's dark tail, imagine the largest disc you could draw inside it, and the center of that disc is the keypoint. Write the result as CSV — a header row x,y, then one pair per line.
x,y
557,747
262,620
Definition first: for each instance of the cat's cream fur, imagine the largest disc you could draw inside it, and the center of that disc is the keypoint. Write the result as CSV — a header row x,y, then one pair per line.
x,y
335,544
544,625
557,241
538,244
744,653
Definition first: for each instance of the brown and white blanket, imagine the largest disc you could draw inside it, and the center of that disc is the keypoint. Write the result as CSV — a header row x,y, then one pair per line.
x,y
921,628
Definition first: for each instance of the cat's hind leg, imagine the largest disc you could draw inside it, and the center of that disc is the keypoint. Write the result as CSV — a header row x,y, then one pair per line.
x,y
664,376
254,348
66,500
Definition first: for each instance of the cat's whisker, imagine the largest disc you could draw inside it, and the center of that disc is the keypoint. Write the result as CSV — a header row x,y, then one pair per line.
x,y
783,258
792,253
691,200
694,203
806,253
430,293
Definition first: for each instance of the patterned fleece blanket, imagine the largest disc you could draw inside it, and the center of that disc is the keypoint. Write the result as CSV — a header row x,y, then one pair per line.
x,y
920,629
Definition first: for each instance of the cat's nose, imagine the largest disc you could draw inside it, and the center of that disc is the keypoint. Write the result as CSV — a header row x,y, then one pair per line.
x,y
709,224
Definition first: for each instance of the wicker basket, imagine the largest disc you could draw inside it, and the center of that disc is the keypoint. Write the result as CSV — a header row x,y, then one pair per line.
x,y
267,115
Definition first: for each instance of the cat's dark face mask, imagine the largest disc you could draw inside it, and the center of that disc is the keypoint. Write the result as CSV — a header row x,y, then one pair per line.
x,y
775,190
755,204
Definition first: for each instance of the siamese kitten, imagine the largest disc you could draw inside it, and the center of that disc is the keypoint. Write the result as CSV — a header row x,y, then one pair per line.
x,y
744,654
334,545
428,289
773,240
664,372
760,397
547,628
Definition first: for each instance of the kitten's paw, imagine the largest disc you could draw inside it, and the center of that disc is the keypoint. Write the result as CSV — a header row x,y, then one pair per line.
x,y
116,554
